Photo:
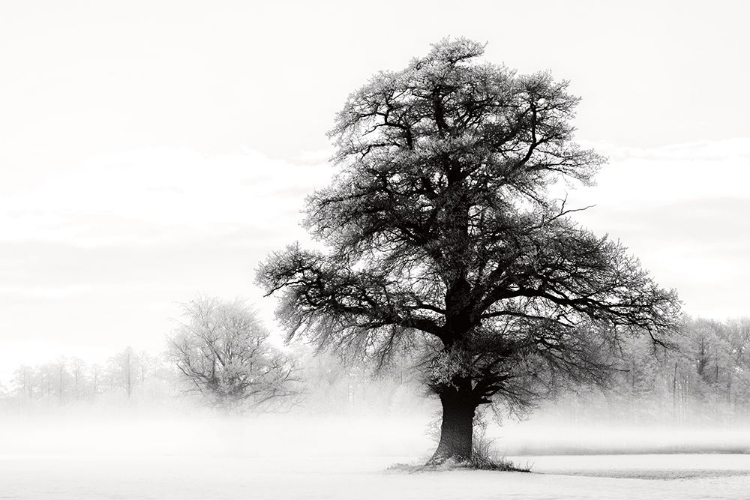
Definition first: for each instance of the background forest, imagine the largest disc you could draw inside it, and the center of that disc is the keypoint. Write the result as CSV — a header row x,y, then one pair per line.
x,y
704,378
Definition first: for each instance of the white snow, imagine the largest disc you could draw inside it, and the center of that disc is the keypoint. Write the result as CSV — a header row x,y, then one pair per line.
x,y
186,478
279,458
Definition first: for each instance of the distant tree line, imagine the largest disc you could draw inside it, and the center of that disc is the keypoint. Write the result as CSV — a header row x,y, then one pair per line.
x,y
703,377
328,385
219,356
129,375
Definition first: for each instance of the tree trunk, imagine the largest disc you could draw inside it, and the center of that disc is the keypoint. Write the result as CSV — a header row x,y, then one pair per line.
x,y
456,429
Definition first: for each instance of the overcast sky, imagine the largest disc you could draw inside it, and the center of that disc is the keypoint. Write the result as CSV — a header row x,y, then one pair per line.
x,y
154,150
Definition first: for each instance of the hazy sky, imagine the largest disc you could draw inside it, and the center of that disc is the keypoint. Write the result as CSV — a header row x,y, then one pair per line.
x,y
153,150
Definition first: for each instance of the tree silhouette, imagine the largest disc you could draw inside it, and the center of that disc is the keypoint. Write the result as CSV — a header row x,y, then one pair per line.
x,y
440,234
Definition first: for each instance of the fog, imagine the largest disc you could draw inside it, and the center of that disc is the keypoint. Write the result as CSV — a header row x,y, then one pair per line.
x,y
191,452
213,435
357,435
395,430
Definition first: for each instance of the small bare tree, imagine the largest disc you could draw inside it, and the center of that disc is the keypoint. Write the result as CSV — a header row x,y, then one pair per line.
x,y
222,351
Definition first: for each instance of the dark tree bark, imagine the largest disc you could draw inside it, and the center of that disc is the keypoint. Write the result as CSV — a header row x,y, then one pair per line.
x,y
457,426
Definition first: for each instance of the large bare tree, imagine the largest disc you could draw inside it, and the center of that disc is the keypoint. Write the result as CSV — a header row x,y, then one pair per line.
x,y
441,233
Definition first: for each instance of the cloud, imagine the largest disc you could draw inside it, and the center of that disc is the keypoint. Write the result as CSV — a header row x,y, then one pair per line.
x,y
636,177
683,211
157,195
36,293
100,256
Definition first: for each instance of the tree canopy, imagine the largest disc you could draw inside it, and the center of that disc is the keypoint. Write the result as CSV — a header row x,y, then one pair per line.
x,y
440,230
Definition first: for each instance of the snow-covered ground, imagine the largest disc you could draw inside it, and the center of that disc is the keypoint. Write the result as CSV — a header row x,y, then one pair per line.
x,y
200,478
278,458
